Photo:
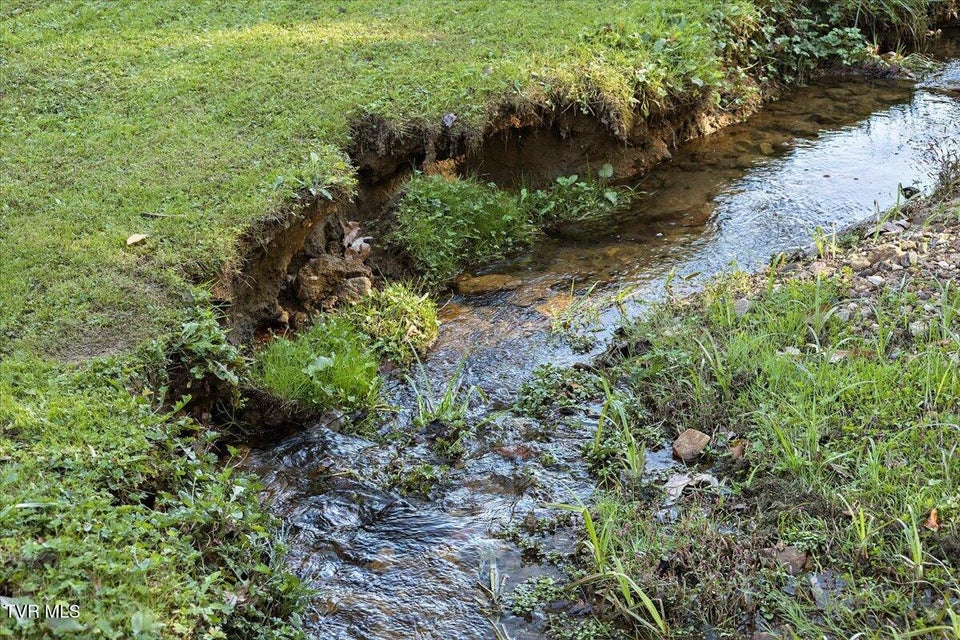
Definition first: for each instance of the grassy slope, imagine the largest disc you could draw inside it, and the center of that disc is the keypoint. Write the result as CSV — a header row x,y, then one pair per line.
x,y
192,110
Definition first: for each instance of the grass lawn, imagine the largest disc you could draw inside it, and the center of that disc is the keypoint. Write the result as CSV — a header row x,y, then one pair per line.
x,y
195,111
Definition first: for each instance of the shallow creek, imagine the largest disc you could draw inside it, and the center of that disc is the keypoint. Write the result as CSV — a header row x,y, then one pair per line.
x,y
389,566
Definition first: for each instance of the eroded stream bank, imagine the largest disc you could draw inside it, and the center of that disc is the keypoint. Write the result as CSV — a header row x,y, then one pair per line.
x,y
392,566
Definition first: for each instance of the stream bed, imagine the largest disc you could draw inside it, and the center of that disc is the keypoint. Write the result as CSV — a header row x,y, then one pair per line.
x,y
389,566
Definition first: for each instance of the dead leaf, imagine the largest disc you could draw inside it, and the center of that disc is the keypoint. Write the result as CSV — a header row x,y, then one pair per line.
x,y
351,231
933,521
738,448
137,238
680,481
837,356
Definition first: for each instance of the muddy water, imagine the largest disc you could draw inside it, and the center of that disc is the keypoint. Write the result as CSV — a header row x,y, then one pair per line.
x,y
388,566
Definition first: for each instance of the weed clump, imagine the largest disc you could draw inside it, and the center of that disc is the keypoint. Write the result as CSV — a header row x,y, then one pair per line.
x,y
555,388
331,365
447,225
399,322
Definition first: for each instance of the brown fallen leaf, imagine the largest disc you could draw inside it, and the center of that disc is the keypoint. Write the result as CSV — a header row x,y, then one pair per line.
x,y
933,521
738,448
136,238
680,481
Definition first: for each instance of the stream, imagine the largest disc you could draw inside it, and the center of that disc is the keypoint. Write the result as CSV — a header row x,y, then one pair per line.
x,y
388,566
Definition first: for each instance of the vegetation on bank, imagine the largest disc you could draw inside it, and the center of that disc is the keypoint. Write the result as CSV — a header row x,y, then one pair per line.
x,y
447,225
188,122
336,362
121,508
831,502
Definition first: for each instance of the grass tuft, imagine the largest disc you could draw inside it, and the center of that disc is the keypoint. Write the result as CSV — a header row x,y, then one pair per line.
x,y
331,365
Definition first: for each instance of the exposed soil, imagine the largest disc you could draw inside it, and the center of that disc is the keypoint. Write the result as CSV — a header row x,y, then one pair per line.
x,y
295,262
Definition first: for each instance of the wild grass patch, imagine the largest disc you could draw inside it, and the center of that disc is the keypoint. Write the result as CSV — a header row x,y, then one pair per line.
x,y
399,322
849,431
329,365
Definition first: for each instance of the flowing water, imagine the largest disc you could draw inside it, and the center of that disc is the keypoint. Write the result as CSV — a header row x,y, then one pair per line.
x,y
389,566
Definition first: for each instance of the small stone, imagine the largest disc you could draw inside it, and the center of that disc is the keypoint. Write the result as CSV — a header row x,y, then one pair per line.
x,y
741,307
820,268
690,444
766,148
793,559
859,262
910,258
354,289
885,252
844,315
918,328
875,280
763,635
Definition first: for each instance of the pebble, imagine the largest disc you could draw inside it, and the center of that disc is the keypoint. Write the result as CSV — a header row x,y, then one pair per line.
x,y
690,444
875,280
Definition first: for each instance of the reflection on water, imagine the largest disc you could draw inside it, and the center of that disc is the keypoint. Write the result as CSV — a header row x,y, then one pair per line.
x,y
392,567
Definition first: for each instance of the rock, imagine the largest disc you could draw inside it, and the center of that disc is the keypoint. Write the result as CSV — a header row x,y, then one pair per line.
x,y
859,263
918,328
763,635
472,286
885,252
766,148
875,280
910,258
354,289
690,444
136,238
793,559
820,268
741,307
844,315
327,279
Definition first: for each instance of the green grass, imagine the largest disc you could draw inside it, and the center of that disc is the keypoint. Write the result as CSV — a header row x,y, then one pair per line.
x,y
331,365
196,111
399,322
123,510
851,444
448,225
